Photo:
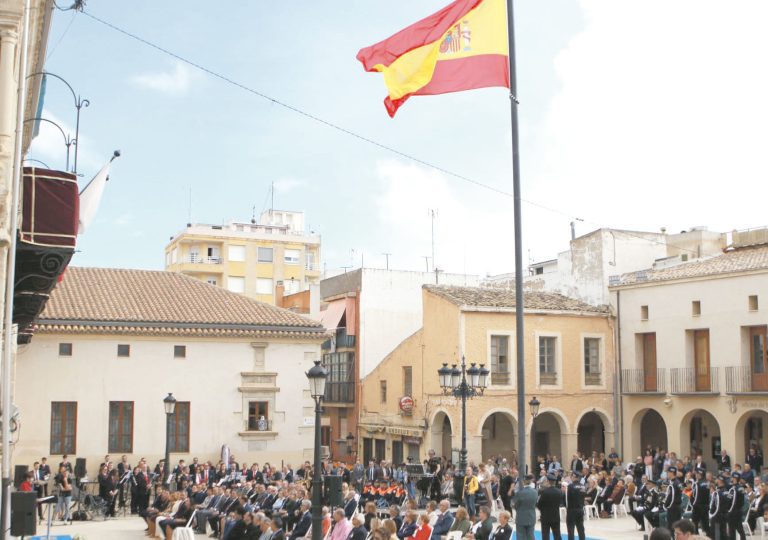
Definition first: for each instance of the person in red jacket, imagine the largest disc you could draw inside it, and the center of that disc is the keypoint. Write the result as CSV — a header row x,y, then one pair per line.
x,y
424,532
26,485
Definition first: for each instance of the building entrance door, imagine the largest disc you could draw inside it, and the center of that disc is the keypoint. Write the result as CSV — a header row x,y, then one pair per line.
x,y
759,358
701,360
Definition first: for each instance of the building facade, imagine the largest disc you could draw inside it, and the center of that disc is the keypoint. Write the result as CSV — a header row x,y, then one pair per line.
x,y
249,258
111,344
693,355
569,366
369,312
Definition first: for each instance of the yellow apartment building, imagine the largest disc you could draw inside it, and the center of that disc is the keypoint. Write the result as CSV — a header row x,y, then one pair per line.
x,y
262,260
569,366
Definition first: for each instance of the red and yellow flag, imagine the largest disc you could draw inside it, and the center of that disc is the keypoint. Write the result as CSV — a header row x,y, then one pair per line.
x,y
461,47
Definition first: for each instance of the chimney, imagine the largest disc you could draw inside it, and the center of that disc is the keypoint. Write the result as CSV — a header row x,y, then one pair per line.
x,y
279,293
573,230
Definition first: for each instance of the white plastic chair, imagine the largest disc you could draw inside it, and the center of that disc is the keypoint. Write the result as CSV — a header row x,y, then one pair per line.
x,y
591,510
747,529
760,526
454,535
620,508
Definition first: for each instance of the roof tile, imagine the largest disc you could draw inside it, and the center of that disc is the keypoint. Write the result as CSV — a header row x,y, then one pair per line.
x,y
505,298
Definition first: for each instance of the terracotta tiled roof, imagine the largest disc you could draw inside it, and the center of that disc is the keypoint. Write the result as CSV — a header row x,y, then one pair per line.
x,y
505,298
122,300
735,261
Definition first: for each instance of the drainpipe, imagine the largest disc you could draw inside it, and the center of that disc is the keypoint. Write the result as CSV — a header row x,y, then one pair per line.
x,y
618,406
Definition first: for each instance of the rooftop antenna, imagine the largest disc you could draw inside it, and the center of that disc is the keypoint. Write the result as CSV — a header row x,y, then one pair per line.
x,y
189,210
253,215
387,256
272,206
433,215
426,261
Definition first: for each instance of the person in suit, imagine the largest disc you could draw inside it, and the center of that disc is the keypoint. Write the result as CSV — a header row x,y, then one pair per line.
x,y
394,515
358,531
724,462
373,472
408,527
444,520
504,532
524,503
357,476
350,504
277,529
45,474
302,527
549,508
577,465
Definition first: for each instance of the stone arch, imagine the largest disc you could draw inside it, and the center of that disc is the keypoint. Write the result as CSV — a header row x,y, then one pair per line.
x,y
604,416
751,429
498,431
699,434
590,433
548,433
441,434
648,428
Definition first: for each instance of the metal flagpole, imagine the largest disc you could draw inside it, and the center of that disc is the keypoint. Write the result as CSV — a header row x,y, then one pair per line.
x,y
521,416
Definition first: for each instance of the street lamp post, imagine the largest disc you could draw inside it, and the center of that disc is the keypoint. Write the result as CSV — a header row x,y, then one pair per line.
x,y
170,407
317,375
463,384
534,404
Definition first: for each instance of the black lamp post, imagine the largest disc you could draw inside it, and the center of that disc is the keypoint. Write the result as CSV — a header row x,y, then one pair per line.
x,y
463,384
170,407
534,404
317,375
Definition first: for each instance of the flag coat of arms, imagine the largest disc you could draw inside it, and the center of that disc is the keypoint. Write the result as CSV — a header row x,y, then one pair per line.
x,y
461,47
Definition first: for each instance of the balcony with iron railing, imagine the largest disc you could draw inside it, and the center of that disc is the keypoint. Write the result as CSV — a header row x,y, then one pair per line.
x,y
638,381
745,380
195,258
690,381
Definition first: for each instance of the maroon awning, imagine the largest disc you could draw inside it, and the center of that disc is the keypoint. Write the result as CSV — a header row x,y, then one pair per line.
x,y
50,208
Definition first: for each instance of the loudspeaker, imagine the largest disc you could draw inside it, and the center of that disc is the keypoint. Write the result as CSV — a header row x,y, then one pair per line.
x,y
333,490
19,474
23,519
80,468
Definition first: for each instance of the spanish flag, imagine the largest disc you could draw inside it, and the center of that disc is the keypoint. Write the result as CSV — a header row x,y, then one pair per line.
x,y
461,47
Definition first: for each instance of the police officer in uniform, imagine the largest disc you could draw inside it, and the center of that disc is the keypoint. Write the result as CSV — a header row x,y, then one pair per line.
x,y
574,505
735,511
700,503
549,507
648,506
718,510
673,501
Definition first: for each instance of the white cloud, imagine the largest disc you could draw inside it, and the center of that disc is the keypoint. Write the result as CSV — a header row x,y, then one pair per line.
x,y
661,117
49,146
174,83
472,232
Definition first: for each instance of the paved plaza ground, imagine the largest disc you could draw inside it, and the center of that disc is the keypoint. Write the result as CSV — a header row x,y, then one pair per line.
x,y
132,528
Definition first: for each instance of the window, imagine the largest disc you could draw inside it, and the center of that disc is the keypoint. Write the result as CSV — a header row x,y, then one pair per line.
x,y
383,391
547,360
643,313
179,351
696,308
236,284
237,253
123,351
592,375
340,386
499,360
121,426
213,254
257,409
407,381
65,349
310,263
265,255
212,281
194,254
292,256
63,427
753,305
179,437
174,255
264,286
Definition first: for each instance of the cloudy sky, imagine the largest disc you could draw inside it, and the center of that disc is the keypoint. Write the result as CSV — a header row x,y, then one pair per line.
x,y
634,115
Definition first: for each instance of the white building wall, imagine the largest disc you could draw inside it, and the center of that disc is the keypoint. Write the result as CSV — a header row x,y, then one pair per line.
x,y
391,309
209,378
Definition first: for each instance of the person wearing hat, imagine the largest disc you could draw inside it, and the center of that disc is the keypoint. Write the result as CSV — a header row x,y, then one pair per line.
x,y
673,501
700,503
718,510
574,506
549,507
524,503
736,509
649,509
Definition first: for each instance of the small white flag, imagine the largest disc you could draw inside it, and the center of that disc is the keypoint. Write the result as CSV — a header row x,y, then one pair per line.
x,y
90,196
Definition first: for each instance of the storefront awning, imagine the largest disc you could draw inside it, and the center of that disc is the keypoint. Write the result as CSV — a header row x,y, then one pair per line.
x,y
332,315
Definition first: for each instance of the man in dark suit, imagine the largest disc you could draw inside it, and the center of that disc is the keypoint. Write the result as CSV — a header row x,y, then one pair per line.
x,y
506,488
358,473
350,505
358,531
302,527
549,508
577,465
277,529
45,473
373,472
444,521
724,462
525,508
504,532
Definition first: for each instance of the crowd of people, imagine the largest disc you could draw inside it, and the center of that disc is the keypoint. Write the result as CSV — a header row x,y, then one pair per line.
x,y
383,501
